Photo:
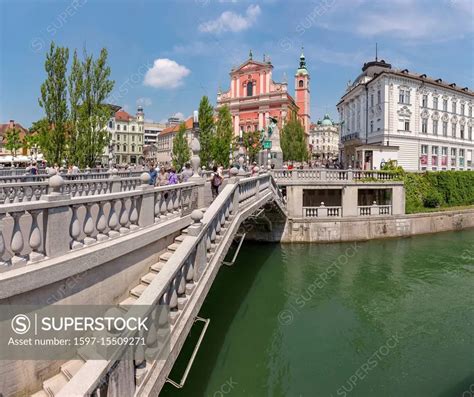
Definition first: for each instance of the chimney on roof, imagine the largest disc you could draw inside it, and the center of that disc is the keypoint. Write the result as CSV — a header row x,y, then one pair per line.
x,y
12,124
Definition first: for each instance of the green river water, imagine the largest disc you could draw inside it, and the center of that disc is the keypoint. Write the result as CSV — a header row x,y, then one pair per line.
x,y
379,318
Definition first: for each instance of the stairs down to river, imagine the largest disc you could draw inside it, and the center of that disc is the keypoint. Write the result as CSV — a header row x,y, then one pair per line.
x,y
53,385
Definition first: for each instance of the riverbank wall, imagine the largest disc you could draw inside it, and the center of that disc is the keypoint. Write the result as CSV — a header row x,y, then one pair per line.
x,y
299,230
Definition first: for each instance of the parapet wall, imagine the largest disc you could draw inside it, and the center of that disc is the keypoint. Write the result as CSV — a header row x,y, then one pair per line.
x,y
298,230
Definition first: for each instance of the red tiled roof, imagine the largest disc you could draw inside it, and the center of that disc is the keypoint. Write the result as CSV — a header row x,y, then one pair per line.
x,y
175,128
122,115
5,127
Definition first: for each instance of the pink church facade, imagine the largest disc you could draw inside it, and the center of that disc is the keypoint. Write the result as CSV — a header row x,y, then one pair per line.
x,y
254,97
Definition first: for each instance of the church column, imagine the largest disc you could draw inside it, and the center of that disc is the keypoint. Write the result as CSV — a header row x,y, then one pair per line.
x,y
260,120
232,88
238,87
261,84
267,86
236,124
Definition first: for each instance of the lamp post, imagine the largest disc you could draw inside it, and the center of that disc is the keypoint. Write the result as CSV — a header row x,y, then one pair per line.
x,y
195,146
111,154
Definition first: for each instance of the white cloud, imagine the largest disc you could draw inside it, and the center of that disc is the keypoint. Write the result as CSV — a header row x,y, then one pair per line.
x,y
144,101
179,115
230,21
165,73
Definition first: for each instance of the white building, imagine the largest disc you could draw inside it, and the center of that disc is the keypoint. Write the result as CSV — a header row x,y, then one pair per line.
x,y
164,152
324,139
425,124
152,130
126,134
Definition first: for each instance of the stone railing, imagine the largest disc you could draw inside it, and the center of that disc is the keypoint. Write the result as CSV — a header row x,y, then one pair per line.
x,y
322,211
174,285
43,177
19,192
57,223
374,209
330,175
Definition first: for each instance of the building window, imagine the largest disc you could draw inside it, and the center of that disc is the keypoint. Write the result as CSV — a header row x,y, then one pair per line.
x,y
424,149
424,126
453,133
379,97
300,83
371,126
435,127
124,148
424,101
118,127
125,128
434,150
470,111
461,131
435,103
407,125
404,96
444,151
462,109
111,124
445,105
371,100
454,107
469,133
445,128
133,138
249,88
133,128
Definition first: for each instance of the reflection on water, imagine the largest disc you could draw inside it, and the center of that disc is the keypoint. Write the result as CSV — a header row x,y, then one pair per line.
x,y
380,318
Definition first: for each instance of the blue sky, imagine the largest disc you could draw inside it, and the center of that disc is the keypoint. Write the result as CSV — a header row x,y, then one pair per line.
x,y
166,54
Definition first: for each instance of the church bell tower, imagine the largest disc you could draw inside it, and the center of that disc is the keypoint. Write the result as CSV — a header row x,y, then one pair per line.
x,y
302,93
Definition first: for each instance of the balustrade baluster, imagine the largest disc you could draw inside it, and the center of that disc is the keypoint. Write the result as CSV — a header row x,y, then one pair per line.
x,y
89,226
2,243
101,223
124,217
17,242
75,229
134,213
113,220
35,237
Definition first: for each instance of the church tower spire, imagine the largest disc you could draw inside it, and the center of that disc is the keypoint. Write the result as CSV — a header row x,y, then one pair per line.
x,y
302,92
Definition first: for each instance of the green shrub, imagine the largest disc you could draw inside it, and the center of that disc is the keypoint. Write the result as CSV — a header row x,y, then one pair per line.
x,y
433,199
439,188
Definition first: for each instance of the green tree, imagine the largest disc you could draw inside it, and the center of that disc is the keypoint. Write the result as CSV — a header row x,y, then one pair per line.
x,y
293,141
181,151
251,143
223,138
93,113
206,125
13,143
54,102
75,86
30,141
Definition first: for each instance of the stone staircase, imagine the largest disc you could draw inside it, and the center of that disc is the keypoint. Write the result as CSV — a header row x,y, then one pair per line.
x,y
53,385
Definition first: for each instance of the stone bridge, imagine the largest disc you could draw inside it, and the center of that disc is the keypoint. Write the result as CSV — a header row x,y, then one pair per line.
x,y
140,248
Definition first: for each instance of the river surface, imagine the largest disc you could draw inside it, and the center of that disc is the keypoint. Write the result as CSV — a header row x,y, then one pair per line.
x,y
379,318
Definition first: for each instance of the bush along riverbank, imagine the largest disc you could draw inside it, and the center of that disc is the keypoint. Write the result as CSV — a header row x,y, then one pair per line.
x,y
427,191
438,189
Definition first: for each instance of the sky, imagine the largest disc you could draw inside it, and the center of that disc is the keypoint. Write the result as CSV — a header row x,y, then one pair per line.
x,y
165,55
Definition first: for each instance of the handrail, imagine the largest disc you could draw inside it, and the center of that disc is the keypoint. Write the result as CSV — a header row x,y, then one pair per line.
x,y
240,193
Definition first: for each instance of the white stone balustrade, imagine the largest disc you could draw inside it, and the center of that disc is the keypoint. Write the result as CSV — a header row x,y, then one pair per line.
x,y
330,175
57,223
175,284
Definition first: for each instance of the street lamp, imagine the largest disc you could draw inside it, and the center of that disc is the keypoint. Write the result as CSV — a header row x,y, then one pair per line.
x,y
195,146
111,154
